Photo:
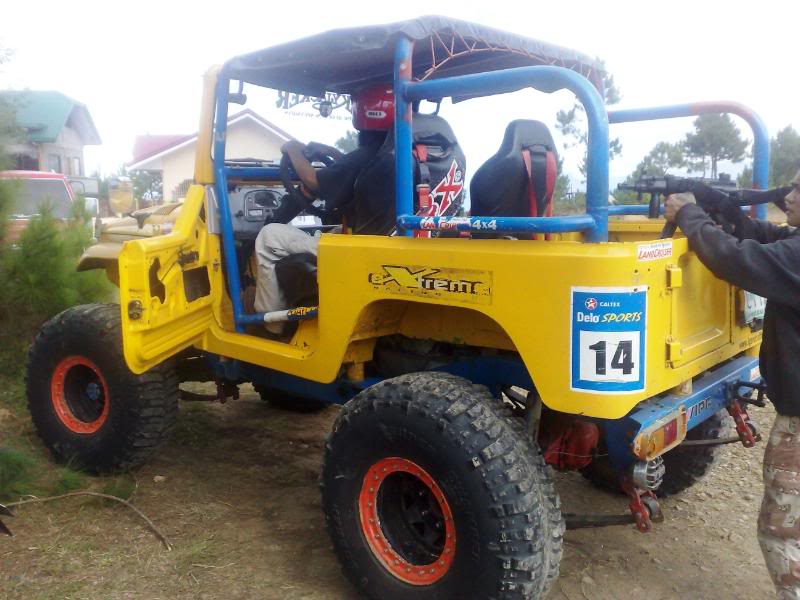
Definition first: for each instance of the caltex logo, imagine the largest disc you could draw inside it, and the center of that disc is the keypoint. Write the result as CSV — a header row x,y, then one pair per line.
x,y
591,303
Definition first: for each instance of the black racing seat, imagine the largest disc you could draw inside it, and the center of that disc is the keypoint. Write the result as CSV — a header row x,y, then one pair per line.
x,y
439,164
518,181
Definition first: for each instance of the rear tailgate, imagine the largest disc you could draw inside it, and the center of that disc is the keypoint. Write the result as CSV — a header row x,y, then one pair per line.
x,y
700,321
707,314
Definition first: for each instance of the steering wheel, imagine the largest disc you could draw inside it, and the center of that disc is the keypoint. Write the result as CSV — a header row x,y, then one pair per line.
x,y
313,152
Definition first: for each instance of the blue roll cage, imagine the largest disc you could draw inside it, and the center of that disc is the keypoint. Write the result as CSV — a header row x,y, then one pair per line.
x,y
713,391
548,79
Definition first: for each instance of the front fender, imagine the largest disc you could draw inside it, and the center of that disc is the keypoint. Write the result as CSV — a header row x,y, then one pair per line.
x,y
102,256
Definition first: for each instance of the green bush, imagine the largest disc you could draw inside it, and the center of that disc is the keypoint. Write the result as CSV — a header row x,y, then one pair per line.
x,y
23,473
38,280
6,204
16,473
68,480
37,272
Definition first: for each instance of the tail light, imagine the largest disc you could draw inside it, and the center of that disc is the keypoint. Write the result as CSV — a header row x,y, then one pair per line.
x,y
661,436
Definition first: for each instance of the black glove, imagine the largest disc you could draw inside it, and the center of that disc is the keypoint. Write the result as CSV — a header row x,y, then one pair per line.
x,y
719,205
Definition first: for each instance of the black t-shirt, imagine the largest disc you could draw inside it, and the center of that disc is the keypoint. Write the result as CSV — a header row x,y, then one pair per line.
x,y
336,182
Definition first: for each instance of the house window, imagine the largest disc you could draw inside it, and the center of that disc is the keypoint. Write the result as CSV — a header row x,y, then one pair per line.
x,y
26,163
54,162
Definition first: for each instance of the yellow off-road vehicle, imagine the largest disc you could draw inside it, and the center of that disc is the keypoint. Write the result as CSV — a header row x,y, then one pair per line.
x,y
469,352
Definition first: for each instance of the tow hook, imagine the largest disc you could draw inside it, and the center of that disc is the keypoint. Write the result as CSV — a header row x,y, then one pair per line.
x,y
746,429
644,506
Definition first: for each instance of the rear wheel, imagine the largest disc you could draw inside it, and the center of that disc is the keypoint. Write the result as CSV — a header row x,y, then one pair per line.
x,y
86,405
429,492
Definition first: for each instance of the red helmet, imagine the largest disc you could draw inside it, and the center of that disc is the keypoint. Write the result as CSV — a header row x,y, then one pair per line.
x,y
373,108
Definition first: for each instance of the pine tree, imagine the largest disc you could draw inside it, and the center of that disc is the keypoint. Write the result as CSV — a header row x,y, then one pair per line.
x,y
571,122
784,156
715,138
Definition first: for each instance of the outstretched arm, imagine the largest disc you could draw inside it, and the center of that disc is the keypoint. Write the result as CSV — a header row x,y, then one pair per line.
x,y
771,270
743,227
763,232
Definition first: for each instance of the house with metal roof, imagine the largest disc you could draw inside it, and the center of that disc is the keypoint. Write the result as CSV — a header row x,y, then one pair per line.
x,y
54,129
249,136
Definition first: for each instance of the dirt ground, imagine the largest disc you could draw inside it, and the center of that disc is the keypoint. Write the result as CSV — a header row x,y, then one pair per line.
x,y
239,502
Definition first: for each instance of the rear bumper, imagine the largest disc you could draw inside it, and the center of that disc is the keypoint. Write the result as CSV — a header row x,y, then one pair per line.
x,y
711,393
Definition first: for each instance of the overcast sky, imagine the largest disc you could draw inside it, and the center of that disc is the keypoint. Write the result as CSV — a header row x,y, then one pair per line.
x,y
138,65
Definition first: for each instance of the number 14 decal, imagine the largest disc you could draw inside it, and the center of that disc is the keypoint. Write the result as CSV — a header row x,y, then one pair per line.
x,y
608,339
622,359
609,356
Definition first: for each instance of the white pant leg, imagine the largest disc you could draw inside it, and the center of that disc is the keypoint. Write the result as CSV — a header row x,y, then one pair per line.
x,y
274,242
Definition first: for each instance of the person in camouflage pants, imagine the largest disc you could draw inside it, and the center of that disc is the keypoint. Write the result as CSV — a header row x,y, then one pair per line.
x,y
764,258
779,520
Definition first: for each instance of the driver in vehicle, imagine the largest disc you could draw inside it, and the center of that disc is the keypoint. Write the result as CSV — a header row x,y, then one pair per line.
x,y
373,116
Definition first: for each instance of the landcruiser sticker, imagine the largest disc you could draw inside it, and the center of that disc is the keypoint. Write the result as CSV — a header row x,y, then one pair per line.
x,y
459,285
654,250
608,339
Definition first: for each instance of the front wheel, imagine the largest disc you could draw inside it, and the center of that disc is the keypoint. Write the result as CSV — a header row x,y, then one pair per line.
x,y
87,406
430,492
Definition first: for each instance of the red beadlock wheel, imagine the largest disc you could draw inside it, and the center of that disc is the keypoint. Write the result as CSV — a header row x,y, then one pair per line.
x,y
430,491
79,395
407,521
87,406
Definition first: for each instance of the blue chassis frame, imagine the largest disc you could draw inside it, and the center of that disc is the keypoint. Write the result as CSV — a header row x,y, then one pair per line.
x,y
713,391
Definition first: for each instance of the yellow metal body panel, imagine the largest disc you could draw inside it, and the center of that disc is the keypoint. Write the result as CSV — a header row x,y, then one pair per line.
x,y
700,311
634,228
501,294
152,277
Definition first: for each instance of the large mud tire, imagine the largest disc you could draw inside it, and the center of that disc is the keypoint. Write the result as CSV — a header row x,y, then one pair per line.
x,y
450,443
555,525
88,408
